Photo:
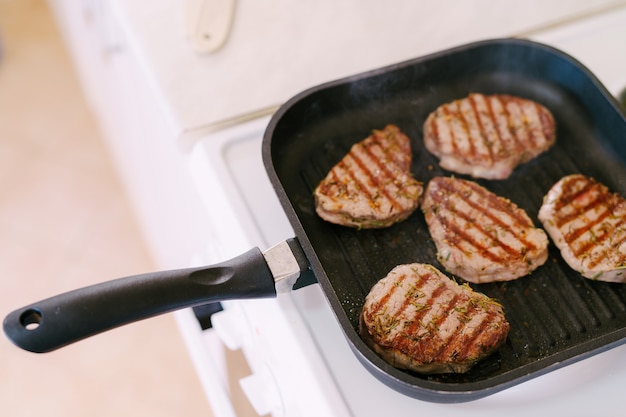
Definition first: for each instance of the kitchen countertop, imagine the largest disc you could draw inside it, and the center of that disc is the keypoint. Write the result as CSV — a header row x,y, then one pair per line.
x,y
596,43
279,48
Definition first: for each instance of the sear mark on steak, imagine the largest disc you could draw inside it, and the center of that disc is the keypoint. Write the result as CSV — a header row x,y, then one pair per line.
x,y
417,318
587,222
487,136
372,186
480,236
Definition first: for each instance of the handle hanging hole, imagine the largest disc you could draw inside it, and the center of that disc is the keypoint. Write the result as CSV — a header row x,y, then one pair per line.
x,y
31,319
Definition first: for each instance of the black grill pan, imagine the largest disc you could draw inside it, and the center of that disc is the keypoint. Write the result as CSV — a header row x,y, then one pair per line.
x,y
557,317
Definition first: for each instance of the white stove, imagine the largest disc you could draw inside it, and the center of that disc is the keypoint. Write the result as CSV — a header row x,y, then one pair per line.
x,y
301,364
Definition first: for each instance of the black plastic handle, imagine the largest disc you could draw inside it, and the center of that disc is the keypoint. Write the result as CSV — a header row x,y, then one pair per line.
x,y
69,317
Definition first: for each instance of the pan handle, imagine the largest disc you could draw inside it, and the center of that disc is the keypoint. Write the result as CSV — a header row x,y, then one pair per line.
x,y
69,317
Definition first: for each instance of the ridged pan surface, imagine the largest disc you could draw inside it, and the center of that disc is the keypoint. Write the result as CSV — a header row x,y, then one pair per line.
x,y
557,317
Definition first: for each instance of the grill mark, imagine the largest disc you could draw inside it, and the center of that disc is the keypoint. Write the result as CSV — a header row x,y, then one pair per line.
x,y
385,298
494,120
447,116
377,162
573,235
362,187
379,185
607,251
463,350
496,124
546,121
569,191
541,128
408,300
434,130
481,128
346,168
423,280
493,204
492,336
510,122
452,344
526,124
436,323
568,196
443,314
384,168
405,344
619,262
496,203
391,148
516,130
460,115
523,126
326,186
481,249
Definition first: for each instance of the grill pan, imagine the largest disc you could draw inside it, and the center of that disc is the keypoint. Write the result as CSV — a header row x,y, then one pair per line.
x,y
557,317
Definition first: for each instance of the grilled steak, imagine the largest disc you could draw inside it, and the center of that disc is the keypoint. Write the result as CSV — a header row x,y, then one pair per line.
x,y
588,224
419,319
488,136
480,236
372,186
